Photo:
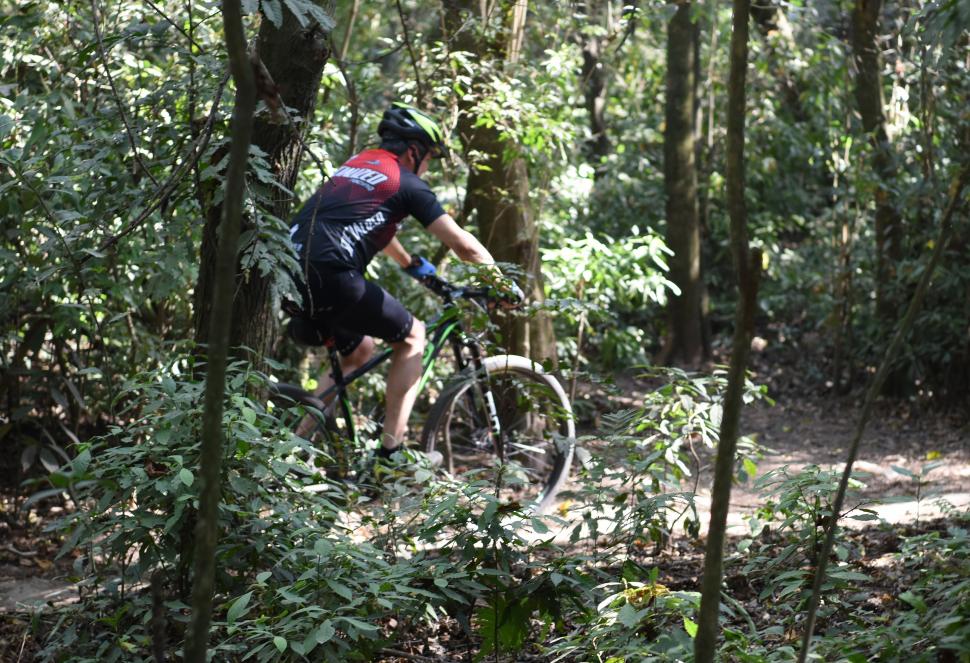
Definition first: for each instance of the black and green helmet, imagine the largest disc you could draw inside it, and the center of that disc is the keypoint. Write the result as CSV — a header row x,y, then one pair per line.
x,y
409,123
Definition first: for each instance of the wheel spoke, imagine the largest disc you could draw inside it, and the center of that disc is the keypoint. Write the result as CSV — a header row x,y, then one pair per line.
x,y
529,413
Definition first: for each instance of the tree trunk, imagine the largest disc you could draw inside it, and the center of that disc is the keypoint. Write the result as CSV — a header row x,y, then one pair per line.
x,y
686,344
498,182
747,268
207,527
294,56
869,97
594,81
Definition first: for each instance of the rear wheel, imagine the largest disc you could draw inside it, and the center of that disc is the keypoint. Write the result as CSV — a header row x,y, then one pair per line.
x,y
537,438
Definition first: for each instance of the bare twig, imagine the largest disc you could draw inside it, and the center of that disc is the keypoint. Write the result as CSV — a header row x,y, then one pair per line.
x,y
354,107
114,93
631,26
165,190
376,58
412,657
414,59
350,30
19,553
23,642
187,35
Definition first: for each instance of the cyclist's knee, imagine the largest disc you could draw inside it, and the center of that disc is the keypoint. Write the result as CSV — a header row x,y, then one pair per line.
x,y
415,339
360,354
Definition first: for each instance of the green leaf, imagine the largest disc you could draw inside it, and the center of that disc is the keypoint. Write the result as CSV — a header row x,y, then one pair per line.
x,y
274,14
691,627
264,576
750,468
628,616
340,589
914,600
238,607
359,625
325,631
280,643
186,477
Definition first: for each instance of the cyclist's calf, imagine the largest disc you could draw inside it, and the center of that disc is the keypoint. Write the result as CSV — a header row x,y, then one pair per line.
x,y
402,384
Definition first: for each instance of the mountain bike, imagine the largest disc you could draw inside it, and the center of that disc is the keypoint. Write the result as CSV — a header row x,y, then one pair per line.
x,y
499,418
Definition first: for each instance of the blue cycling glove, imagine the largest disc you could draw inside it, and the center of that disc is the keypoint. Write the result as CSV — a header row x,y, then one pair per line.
x,y
420,268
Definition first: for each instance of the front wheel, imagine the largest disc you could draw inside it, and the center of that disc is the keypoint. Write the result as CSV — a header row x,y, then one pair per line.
x,y
537,437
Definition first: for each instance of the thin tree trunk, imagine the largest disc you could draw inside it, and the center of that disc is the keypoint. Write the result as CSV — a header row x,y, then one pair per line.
x,y
869,98
686,342
207,527
594,81
748,268
915,304
294,56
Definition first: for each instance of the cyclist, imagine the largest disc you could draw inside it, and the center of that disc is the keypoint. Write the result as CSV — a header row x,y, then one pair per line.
x,y
355,214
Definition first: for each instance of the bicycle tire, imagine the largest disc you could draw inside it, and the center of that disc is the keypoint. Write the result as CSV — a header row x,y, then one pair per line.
x,y
537,422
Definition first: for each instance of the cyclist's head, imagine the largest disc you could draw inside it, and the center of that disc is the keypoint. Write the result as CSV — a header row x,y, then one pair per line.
x,y
403,126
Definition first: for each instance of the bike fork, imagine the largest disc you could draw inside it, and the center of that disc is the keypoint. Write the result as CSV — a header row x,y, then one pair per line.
x,y
484,388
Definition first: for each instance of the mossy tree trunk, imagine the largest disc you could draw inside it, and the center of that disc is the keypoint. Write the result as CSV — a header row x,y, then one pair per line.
x,y
498,182
294,56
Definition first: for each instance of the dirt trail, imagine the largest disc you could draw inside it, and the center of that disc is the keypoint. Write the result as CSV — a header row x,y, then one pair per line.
x,y
800,431
806,432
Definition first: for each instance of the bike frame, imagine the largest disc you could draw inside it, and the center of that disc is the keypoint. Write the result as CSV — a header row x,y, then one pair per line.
x,y
445,329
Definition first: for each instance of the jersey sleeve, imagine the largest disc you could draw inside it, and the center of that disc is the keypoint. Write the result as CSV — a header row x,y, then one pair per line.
x,y
419,200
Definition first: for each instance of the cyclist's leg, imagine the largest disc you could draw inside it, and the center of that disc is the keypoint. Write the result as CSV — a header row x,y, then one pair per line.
x,y
354,350
402,385
376,313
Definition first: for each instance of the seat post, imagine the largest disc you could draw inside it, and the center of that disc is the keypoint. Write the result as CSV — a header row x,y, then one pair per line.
x,y
335,371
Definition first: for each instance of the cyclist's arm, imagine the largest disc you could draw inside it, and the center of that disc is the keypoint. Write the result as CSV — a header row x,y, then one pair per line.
x,y
396,252
469,249
459,240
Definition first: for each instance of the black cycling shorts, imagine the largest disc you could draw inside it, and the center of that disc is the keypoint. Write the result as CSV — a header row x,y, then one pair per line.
x,y
346,306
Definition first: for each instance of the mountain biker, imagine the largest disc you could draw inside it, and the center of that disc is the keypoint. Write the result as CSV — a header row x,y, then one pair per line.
x,y
355,214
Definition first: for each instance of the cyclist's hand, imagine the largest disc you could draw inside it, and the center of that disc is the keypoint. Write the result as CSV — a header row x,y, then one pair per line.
x,y
420,268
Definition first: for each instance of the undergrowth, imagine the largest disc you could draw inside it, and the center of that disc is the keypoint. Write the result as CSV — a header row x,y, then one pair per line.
x,y
314,569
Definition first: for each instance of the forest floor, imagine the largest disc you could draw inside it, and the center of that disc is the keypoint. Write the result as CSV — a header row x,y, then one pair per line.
x,y
800,429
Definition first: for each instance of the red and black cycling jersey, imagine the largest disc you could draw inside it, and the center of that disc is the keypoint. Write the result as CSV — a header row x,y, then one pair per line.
x,y
358,210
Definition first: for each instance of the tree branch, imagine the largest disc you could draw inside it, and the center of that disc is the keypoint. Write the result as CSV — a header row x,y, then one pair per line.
x,y
165,190
414,60
175,25
117,97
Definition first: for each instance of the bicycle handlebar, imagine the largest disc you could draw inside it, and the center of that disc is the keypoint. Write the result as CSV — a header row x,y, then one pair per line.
x,y
451,292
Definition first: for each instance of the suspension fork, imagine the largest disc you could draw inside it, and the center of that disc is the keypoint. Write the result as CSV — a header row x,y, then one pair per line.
x,y
482,387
